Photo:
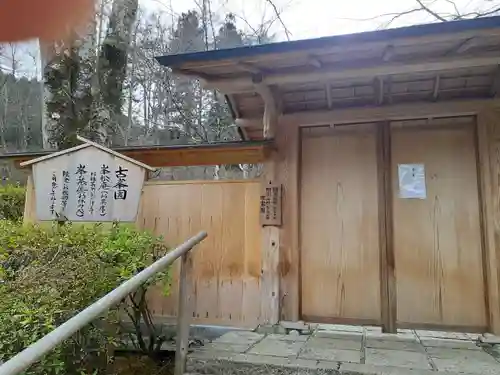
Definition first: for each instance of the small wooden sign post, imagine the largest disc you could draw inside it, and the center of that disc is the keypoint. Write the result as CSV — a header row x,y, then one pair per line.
x,y
270,205
87,183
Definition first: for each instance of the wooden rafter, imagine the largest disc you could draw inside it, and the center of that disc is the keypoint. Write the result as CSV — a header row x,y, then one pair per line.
x,y
328,90
245,84
378,89
388,94
495,86
435,91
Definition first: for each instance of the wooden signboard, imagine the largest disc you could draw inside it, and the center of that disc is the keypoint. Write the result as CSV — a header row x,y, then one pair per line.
x,y
87,183
270,205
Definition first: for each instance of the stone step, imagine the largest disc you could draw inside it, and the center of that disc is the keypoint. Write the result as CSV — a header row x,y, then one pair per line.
x,y
258,365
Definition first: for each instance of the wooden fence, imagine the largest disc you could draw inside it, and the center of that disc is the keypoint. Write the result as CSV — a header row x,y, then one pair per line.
x,y
226,266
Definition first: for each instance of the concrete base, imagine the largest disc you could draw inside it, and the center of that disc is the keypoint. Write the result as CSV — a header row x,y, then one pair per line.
x,y
346,351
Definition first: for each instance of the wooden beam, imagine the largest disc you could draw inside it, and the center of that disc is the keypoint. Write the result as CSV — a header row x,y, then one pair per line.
x,y
386,242
386,113
245,84
435,91
186,156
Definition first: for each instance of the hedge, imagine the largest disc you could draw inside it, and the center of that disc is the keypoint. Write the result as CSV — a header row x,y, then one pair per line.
x,y
12,199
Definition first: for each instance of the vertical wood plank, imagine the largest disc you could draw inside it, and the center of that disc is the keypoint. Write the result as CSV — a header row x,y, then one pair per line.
x,y
227,266
387,263
29,215
488,150
289,264
184,314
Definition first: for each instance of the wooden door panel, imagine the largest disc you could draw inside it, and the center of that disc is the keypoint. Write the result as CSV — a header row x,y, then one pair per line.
x,y
339,226
437,240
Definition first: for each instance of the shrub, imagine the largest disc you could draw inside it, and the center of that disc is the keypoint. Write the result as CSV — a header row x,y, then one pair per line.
x,y
11,202
48,274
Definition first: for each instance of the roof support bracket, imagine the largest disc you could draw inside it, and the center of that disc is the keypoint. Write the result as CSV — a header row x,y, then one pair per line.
x,y
271,109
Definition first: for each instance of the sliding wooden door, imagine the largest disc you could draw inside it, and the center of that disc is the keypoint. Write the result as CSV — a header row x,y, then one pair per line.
x,y
339,225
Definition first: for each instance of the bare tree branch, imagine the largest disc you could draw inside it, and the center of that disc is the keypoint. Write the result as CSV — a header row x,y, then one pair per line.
x,y
278,15
430,11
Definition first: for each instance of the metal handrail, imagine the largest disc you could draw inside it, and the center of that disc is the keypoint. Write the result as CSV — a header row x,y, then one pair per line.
x,y
36,351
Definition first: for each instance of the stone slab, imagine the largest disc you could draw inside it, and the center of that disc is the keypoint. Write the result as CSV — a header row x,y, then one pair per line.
x,y
449,343
226,347
363,369
397,358
469,366
240,337
410,345
340,327
325,343
447,353
407,336
276,361
489,339
342,335
331,355
275,336
277,348
442,335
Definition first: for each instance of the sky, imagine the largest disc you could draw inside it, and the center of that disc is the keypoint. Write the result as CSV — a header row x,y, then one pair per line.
x,y
317,18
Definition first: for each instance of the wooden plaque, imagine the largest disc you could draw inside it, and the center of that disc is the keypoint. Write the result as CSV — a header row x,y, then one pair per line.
x,y
270,205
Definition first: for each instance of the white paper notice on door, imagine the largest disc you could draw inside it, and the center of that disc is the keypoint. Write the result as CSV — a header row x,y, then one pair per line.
x,y
412,181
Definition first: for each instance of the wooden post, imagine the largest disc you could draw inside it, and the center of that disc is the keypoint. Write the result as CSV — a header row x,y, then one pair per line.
x,y
183,314
288,140
270,277
270,289
386,248
488,127
30,202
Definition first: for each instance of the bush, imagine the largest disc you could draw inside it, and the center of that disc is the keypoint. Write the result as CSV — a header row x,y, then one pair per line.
x,y
48,274
11,202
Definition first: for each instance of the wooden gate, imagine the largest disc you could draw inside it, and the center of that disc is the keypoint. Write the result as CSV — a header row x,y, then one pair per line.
x,y
436,242
226,265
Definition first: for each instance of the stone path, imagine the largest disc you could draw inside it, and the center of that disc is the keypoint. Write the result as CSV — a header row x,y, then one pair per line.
x,y
354,350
